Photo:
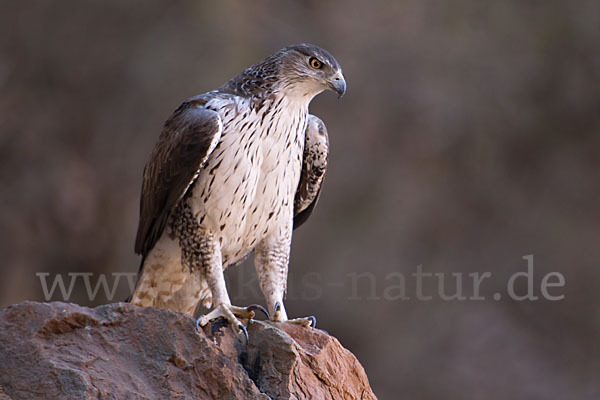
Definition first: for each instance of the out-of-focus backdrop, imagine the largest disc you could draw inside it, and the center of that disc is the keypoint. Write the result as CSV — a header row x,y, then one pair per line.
x,y
469,138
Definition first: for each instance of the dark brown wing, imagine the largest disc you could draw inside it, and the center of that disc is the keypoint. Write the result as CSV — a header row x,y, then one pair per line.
x,y
314,165
188,138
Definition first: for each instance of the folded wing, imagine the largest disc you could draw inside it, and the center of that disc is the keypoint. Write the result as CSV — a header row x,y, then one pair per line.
x,y
314,165
187,140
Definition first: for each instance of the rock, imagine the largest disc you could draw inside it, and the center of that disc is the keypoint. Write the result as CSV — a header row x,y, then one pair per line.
x,y
120,351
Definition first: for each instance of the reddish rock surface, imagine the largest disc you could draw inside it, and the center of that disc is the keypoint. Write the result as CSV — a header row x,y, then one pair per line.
x,y
120,351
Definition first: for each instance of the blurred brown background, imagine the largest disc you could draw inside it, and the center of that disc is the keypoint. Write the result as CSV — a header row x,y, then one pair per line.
x,y
469,137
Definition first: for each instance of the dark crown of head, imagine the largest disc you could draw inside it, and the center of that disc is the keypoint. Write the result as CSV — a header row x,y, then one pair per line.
x,y
258,79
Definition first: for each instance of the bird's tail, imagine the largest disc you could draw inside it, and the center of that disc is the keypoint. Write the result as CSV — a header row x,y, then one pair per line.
x,y
128,299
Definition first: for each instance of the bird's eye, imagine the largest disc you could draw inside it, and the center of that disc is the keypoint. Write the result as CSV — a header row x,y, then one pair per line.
x,y
316,64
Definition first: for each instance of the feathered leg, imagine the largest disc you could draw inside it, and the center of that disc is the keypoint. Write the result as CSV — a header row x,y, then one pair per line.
x,y
271,263
206,259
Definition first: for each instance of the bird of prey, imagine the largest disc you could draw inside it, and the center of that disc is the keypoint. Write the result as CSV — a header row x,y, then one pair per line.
x,y
234,170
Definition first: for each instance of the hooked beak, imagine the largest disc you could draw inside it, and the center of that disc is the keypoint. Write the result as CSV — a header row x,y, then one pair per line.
x,y
338,84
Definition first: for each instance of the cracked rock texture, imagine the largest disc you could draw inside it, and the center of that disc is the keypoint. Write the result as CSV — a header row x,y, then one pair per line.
x,y
120,351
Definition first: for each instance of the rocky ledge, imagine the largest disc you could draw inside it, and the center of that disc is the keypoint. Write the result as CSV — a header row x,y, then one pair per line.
x,y
120,351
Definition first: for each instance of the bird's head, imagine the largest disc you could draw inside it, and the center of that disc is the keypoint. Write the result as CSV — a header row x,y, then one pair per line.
x,y
308,70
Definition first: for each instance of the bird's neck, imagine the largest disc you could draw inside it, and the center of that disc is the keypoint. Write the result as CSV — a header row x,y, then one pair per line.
x,y
300,94
293,103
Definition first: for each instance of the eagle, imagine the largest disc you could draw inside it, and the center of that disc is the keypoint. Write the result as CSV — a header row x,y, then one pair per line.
x,y
234,170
